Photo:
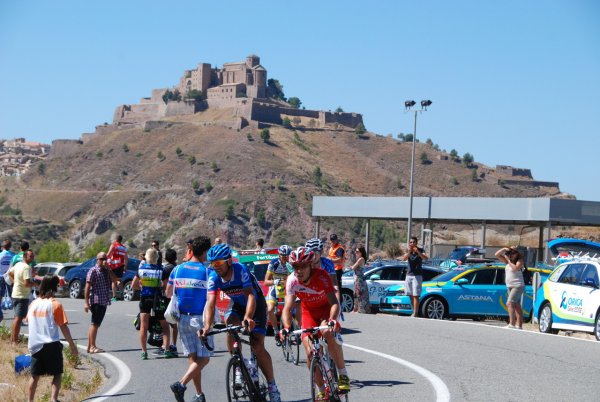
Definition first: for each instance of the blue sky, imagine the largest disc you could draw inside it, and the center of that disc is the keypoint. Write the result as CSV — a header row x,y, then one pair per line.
x,y
512,82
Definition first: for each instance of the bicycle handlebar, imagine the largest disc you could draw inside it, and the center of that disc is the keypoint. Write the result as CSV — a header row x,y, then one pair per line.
x,y
310,330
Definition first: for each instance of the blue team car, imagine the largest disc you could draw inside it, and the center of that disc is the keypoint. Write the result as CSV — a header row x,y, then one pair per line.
x,y
476,292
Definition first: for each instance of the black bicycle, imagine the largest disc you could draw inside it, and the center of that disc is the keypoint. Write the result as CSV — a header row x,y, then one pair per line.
x,y
290,344
322,367
241,386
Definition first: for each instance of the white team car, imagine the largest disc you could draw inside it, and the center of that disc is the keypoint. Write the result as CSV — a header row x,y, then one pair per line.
x,y
570,298
379,276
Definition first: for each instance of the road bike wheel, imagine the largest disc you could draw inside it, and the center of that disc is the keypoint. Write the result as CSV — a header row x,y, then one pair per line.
x,y
242,392
295,342
315,370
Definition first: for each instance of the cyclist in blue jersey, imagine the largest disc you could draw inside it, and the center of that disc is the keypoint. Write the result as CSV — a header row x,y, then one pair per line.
x,y
189,282
150,278
277,273
247,304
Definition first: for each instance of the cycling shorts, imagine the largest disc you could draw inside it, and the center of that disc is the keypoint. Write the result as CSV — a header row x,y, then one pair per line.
x,y
314,317
260,314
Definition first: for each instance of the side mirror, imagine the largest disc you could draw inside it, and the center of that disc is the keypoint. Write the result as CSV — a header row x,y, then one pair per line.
x,y
375,277
462,281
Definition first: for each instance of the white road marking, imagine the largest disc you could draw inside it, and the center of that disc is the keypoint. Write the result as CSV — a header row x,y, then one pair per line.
x,y
123,375
441,390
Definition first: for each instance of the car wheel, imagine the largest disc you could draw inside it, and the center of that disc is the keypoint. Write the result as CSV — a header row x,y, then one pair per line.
x,y
347,301
435,308
128,292
545,320
597,327
75,289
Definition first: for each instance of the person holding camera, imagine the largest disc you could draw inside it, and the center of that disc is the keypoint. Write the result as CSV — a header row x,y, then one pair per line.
x,y
415,256
515,283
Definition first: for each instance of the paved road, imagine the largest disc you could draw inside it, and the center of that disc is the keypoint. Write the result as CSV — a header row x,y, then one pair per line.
x,y
419,360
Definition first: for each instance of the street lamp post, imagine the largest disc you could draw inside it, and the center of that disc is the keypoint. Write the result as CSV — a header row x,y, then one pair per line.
x,y
408,105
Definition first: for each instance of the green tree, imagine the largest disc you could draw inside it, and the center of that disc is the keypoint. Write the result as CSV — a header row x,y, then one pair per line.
x,y
474,176
208,186
192,159
287,123
178,151
453,154
339,110
317,176
195,94
408,138
214,166
195,184
125,148
54,250
160,155
468,159
295,102
360,128
429,142
265,134
41,168
229,211
93,249
169,96
424,158
275,89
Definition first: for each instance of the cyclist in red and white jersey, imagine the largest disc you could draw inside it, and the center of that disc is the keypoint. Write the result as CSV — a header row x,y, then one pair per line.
x,y
117,262
319,305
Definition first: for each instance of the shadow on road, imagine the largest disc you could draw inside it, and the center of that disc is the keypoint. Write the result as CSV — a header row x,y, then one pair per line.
x,y
376,383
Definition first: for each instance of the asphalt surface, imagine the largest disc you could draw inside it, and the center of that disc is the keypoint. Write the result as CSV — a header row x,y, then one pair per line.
x,y
389,358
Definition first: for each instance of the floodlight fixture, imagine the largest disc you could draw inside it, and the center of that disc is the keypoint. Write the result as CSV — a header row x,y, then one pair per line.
x,y
409,103
425,103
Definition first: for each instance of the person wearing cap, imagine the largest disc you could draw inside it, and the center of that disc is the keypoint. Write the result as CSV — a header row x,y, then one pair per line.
x,y
337,255
97,297
189,253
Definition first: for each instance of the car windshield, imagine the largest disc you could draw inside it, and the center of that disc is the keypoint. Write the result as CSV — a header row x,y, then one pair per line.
x,y
446,276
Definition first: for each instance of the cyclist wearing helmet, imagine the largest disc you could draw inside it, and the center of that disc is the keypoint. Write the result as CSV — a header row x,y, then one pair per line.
x,y
277,273
316,245
319,305
247,304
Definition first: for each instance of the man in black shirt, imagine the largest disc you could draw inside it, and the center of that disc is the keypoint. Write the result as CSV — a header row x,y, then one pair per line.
x,y
414,273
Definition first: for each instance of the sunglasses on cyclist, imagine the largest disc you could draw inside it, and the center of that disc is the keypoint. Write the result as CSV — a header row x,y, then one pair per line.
x,y
218,263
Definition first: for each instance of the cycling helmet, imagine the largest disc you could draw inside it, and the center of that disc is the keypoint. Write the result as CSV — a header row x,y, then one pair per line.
x,y
218,252
315,244
301,255
285,250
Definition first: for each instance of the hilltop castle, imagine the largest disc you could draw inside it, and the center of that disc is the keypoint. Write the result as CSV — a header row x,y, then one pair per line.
x,y
241,87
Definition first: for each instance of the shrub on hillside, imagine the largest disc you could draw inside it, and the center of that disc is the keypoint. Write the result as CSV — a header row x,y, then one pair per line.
x,y
53,250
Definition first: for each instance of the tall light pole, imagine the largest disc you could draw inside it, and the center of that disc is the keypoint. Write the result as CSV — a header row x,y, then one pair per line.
x,y
409,104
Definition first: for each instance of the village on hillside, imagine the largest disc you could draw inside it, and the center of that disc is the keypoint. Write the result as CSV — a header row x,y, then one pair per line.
x,y
17,155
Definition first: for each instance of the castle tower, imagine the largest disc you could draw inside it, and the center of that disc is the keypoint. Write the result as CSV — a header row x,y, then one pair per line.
x,y
252,61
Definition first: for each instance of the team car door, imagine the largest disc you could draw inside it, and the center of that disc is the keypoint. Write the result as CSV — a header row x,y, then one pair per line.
x,y
567,294
589,292
477,296
379,280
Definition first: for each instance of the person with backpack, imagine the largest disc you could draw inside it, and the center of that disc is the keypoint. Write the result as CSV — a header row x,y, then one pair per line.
x,y
515,283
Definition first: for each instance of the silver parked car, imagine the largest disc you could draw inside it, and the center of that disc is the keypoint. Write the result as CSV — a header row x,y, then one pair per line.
x,y
59,269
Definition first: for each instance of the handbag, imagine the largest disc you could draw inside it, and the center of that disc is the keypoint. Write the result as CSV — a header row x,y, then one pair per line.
x,y
7,303
172,313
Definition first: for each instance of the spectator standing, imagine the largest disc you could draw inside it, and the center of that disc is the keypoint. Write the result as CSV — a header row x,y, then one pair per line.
x,y
19,256
117,262
142,258
149,277
189,253
156,246
46,315
338,256
171,258
5,258
97,297
259,246
415,256
22,277
361,290
189,281
515,283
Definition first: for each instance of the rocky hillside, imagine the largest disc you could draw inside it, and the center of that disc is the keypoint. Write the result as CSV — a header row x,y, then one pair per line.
x,y
192,178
